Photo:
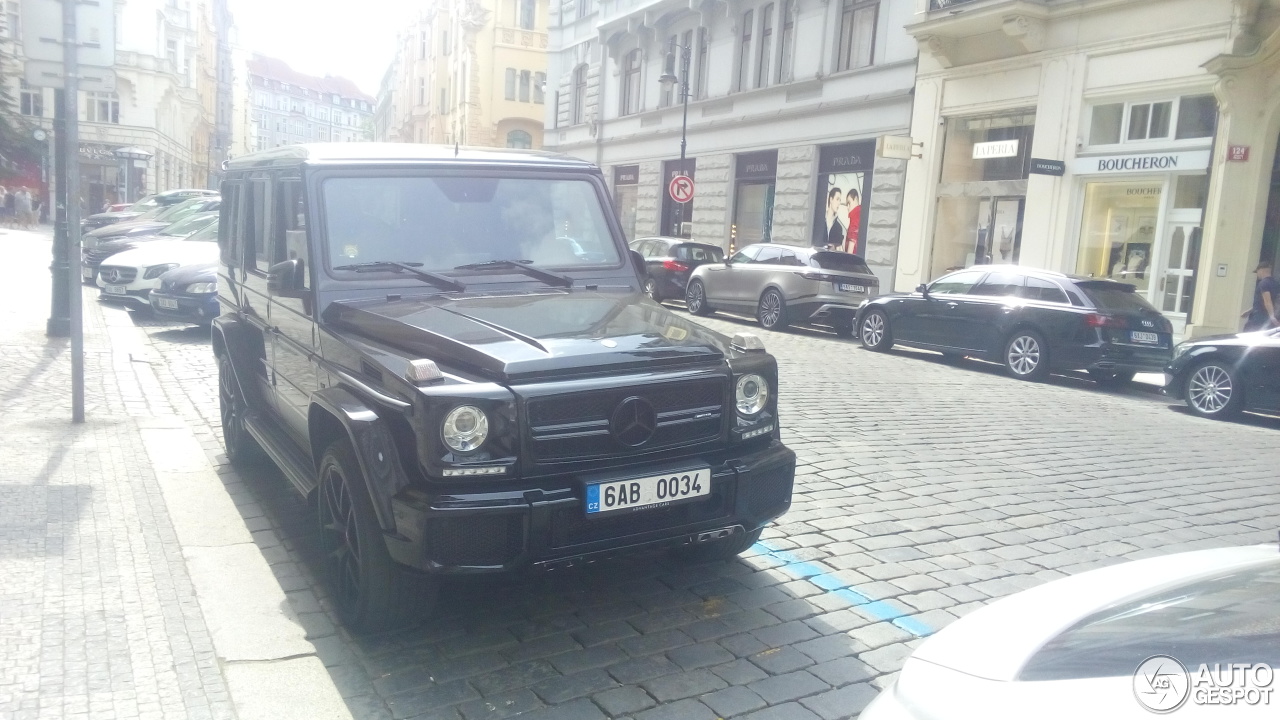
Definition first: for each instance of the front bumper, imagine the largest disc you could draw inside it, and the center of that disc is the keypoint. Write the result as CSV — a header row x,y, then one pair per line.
x,y
506,531
132,298
197,309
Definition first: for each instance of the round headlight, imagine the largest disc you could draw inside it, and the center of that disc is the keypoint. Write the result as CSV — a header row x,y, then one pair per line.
x,y
465,428
752,394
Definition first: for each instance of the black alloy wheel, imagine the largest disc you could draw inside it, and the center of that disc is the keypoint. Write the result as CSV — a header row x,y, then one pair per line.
x,y
772,310
1027,356
651,289
242,449
695,298
1213,390
874,331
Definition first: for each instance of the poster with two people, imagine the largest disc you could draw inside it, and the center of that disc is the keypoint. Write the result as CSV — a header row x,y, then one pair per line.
x,y
843,190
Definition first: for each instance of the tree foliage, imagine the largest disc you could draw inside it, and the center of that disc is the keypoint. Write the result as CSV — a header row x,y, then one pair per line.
x,y
17,146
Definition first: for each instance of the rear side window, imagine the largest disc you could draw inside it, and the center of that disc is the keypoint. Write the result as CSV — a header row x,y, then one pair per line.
x,y
1115,296
1044,291
999,284
843,262
700,253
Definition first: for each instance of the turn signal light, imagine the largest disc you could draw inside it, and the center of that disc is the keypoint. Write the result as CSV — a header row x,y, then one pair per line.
x,y
674,266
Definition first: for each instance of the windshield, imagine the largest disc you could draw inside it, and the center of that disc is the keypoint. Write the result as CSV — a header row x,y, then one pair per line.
x,y
185,227
839,261
144,204
181,210
445,222
208,234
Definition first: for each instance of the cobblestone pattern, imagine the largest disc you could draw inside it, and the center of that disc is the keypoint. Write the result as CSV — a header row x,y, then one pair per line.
x,y
925,490
98,618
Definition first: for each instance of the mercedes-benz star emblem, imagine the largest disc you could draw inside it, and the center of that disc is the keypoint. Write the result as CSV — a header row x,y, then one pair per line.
x,y
112,275
633,422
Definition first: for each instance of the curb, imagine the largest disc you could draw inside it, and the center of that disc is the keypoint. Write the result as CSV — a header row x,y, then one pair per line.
x,y
272,670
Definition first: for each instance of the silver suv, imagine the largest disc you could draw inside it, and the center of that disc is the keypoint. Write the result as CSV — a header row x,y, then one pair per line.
x,y
782,284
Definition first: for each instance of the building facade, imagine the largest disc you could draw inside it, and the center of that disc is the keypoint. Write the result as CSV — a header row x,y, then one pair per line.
x,y
290,107
472,73
786,101
1125,139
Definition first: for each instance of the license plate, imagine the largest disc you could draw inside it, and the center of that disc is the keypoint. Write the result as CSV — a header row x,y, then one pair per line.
x,y
1144,337
167,303
115,290
86,273
846,287
647,493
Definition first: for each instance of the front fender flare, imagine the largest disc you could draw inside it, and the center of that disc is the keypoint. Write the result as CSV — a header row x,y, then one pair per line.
x,y
375,448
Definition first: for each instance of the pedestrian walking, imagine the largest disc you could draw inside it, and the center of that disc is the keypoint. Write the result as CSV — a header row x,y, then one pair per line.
x,y
22,205
10,209
1266,300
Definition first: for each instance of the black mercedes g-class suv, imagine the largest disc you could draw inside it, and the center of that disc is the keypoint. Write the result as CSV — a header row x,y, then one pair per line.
x,y
451,352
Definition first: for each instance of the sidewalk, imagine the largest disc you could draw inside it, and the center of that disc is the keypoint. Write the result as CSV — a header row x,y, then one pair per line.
x,y
131,587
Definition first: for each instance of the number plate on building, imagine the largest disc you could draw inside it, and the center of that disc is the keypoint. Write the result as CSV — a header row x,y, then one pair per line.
x,y
167,303
647,493
1144,337
115,290
846,287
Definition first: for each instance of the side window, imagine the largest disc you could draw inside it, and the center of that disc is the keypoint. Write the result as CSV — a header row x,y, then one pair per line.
x,y
228,238
644,247
789,259
252,237
999,284
960,283
770,255
746,256
288,224
1044,291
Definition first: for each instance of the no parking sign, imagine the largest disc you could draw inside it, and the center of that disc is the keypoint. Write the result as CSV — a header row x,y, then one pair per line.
x,y
681,188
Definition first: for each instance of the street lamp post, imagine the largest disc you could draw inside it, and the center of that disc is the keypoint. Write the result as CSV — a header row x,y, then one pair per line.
x,y
669,79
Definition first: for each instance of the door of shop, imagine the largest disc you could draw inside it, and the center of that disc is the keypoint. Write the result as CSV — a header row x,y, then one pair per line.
x,y
1180,254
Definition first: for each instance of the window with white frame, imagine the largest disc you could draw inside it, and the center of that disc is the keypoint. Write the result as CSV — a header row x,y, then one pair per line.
x,y
539,87
509,91
667,98
1183,118
528,13
857,42
526,79
578,113
32,101
519,139
585,8
629,100
744,50
700,71
102,107
764,53
787,40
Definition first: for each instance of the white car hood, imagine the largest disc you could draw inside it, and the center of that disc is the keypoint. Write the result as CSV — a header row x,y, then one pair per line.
x,y
165,251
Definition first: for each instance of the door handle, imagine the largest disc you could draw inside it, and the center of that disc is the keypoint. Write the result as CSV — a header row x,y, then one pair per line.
x,y
953,304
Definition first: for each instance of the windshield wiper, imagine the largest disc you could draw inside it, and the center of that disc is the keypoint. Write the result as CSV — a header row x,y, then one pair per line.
x,y
439,281
522,266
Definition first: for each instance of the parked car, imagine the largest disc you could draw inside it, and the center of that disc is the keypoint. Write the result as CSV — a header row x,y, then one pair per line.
x,y
164,199
464,391
782,284
1127,641
1219,377
201,227
1033,321
188,293
151,221
670,261
128,278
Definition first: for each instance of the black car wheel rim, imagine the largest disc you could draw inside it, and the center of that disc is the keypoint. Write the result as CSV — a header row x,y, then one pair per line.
x,y
770,309
1209,389
338,535
873,329
1024,355
695,297
228,406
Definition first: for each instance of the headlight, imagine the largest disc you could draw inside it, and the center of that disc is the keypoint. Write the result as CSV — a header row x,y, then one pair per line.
x,y
156,271
465,428
202,287
752,394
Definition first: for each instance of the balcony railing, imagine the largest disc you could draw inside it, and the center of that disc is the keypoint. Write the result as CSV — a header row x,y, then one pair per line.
x,y
947,4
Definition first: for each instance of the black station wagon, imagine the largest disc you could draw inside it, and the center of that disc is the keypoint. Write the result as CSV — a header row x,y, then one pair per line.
x,y
450,350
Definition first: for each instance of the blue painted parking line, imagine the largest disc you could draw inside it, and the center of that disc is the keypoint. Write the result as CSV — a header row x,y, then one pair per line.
x,y
886,610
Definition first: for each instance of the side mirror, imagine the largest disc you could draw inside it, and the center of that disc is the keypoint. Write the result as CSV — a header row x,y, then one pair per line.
x,y
637,261
923,289
286,279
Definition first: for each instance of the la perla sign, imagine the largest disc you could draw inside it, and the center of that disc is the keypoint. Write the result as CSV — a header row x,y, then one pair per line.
x,y
995,149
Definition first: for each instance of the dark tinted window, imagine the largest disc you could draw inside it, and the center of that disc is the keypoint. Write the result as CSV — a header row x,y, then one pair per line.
x,y
700,253
1115,296
999,284
1044,291
770,255
1231,618
839,261
956,283
789,258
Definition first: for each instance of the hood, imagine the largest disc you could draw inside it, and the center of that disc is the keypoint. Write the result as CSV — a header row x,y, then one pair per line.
x,y
520,336
115,217
166,251
187,274
133,227
1248,339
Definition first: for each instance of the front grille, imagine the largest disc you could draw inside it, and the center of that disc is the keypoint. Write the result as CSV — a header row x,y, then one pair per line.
x,y
95,257
576,426
475,539
125,275
569,526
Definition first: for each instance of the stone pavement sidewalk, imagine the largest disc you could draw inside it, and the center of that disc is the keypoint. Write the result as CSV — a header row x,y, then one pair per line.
x,y
131,586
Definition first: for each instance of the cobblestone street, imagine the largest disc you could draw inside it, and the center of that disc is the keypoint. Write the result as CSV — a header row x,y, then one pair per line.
x,y
926,489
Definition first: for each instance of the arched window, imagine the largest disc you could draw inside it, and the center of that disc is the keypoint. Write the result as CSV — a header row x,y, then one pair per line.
x,y
519,139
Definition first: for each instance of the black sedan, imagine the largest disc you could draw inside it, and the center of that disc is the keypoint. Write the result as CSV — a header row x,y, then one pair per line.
x,y
1219,377
188,293
668,263
1032,321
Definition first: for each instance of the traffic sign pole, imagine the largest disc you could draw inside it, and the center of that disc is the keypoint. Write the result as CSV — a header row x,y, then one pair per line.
x,y
71,181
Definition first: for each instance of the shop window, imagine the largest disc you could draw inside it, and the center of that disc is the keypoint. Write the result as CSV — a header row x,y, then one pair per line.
x,y
629,101
1191,192
1197,116
965,135
857,42
578,114
1118,234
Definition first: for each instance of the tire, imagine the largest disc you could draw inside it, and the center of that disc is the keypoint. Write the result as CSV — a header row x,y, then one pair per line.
x,y
242,449
370,592
874,331
843,327
1026,356
718,550
1213,390
651,289
695,298
771,310
1112,378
